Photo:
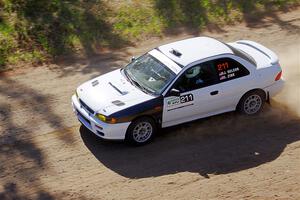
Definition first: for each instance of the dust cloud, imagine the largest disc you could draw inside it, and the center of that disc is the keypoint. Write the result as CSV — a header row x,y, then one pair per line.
x,y
290,63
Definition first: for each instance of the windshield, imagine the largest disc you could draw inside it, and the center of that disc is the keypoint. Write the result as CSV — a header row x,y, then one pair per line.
x,y
149,74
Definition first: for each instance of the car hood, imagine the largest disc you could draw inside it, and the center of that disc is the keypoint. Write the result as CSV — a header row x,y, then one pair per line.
x,y
110,93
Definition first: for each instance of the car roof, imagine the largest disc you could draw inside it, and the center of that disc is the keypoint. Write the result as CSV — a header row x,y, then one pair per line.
x,y
190,50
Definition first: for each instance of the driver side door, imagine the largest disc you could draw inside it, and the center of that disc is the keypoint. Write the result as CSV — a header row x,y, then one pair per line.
x,y
197,95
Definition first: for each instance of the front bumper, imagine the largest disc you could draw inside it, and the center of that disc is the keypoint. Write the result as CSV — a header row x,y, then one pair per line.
x,y
99,128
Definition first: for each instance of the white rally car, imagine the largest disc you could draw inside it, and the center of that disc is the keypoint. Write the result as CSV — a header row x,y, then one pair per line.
x,y
176,83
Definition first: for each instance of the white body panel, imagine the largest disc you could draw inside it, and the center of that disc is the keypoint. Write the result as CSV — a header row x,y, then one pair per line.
x,y
194,49
260,52
275,88
203,104
111,87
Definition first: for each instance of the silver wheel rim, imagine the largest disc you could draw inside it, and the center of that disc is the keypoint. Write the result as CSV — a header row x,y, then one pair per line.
x,y
142,132
252,104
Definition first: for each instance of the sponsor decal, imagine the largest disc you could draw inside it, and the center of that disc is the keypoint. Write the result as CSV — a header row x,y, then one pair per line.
x,y
172,101
233,70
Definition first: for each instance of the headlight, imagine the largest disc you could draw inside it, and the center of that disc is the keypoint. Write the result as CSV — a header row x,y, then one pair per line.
x,y
103,118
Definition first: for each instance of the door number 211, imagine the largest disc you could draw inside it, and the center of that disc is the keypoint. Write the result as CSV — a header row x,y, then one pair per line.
x,y
186,98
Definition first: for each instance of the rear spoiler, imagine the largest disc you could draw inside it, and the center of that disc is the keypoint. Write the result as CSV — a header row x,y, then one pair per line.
x,y
262,49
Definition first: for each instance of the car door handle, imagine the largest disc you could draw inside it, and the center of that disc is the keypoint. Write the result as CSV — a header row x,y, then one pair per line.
x,y
214,92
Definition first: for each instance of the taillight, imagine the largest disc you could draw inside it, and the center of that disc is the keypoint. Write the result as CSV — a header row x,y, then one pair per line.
x,y
278,76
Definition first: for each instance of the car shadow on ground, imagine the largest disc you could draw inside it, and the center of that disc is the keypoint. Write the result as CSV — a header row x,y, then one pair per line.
x,y
217,145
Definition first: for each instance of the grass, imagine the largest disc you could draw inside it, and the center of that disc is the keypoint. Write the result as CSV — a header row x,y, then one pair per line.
x,y
136,21
35,31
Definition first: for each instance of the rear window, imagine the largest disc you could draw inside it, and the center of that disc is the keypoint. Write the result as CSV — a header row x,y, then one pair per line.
x,y
242,54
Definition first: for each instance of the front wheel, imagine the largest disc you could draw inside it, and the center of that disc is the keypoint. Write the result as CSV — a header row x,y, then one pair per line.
x,y
252,102
141,131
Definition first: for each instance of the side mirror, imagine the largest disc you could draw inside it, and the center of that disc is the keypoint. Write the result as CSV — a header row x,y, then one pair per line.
x,y
132,59
174,92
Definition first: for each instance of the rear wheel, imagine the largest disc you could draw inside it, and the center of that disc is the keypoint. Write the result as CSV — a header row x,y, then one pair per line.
x,y
252,102
141,131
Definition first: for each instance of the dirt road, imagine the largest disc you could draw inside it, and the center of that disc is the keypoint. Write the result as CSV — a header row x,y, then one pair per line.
x,y
45,154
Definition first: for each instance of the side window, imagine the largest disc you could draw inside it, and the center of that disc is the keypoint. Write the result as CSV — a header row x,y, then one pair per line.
x,y
229,69
196,77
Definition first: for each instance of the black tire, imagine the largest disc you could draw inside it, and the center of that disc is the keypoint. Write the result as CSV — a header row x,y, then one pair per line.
x,y
141,131
252,102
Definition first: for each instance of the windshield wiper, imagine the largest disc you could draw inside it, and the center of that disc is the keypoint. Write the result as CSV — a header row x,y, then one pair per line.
x,y
135,83
127,76
144,89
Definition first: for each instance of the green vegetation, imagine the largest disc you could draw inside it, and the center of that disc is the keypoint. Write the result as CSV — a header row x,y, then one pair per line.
x,y
38,30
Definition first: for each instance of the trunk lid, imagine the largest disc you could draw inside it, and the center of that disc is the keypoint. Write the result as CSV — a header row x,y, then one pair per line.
x,y
263,56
